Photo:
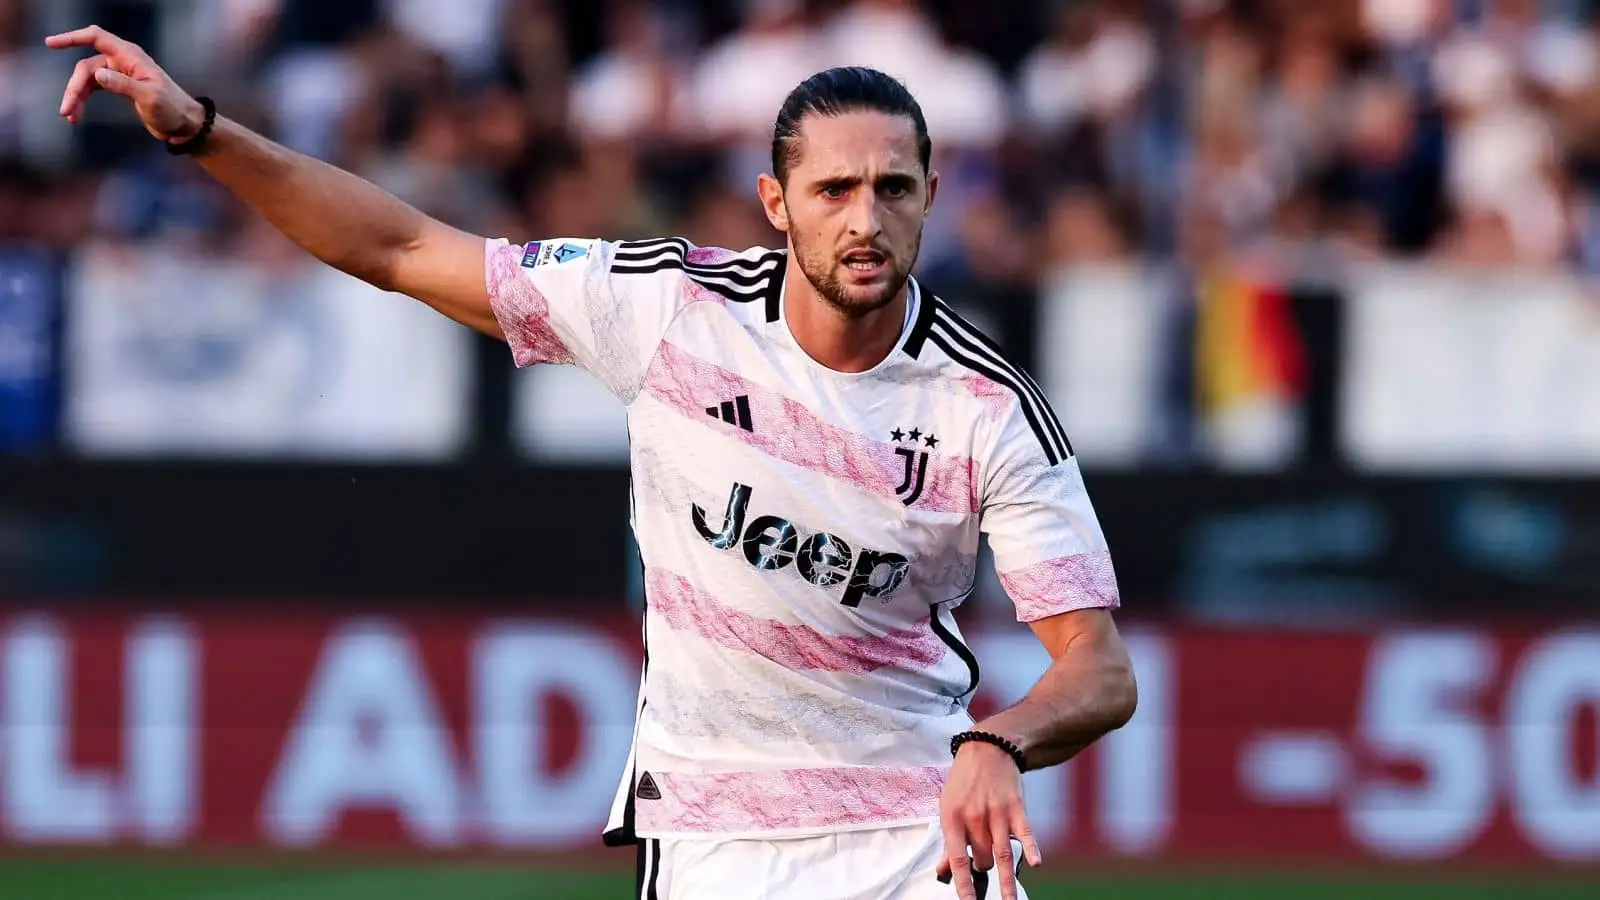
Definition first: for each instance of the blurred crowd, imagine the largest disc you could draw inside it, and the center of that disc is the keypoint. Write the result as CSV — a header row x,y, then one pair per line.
x,y
1067,131
1249,147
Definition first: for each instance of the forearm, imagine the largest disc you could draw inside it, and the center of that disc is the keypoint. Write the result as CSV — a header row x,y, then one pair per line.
x,y
344,221
1084,694
339,218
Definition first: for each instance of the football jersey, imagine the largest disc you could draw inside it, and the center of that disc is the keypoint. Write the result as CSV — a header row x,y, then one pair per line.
x,y
805,532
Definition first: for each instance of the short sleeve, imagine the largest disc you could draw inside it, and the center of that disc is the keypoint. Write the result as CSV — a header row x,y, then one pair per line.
x,y
1048,548
558,304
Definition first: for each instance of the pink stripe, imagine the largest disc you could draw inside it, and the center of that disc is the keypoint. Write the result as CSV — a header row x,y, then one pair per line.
x,y
795,647
997,399
695,292
521,309
786,430
709,256
1063,584
791,799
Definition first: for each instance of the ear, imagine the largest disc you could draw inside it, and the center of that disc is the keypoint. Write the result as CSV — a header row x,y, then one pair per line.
x,y
771,191
933,191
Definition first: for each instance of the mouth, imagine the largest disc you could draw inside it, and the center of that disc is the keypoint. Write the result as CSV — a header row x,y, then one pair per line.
x,y
865,263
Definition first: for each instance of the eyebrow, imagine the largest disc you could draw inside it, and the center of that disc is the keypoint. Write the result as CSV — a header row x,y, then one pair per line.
x,y
887,179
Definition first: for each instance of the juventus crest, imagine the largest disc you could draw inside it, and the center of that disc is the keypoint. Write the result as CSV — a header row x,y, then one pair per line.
x,y
914,447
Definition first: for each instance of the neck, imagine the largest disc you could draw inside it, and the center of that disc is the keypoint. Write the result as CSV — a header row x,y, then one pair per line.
x,y
839,341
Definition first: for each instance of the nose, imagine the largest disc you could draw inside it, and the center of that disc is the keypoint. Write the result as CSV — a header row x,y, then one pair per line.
x,y
865,216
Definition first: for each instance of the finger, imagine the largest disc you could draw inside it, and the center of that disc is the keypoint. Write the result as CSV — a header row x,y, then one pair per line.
x,y
1024,833
956,864
83,37
81,85
961,872
1004,860
125,55
94,36
115,82
982,846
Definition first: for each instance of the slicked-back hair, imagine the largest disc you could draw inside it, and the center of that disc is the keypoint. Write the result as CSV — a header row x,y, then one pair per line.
x,y
836,91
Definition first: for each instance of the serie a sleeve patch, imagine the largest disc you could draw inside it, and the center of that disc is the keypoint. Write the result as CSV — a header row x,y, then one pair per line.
x,y
556,252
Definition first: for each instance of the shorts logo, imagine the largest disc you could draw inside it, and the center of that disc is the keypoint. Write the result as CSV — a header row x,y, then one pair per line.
x,y
916,462
530,255
647,789
770,543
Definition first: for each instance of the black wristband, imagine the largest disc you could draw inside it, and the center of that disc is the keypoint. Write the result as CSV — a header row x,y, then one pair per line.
x,y
193,145
985,737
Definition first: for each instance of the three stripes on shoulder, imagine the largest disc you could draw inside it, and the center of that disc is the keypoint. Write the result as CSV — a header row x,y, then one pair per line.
x,y
740,279
964,343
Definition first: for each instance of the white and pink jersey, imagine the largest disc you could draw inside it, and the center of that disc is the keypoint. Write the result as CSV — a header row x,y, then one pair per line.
x,y
805,533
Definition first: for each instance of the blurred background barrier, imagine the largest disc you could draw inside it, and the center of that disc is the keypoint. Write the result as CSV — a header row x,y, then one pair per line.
x,y
1392,369
442,731
177,354
1304,549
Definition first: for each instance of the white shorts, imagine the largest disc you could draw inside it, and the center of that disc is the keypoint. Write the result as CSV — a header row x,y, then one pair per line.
x,y
883,864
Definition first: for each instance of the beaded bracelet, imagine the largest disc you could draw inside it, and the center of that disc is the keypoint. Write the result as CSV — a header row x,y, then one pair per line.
x,y
193,145
987,738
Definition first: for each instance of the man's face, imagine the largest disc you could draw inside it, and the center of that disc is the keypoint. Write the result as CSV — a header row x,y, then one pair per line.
x,y
854,207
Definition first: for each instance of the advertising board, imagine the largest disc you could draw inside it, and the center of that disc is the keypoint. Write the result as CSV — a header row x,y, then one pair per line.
x,y
451,732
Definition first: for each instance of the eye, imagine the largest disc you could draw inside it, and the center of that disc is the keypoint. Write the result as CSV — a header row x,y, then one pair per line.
x,y
833,191
895,191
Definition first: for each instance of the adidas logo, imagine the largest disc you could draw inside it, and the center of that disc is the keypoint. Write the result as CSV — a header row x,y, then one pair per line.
x,y
647,789
734,412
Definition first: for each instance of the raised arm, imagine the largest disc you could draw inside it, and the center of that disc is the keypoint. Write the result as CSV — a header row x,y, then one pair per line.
x,y
342,220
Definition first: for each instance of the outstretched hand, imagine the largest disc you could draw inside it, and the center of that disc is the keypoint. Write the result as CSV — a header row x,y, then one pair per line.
x,y
123,68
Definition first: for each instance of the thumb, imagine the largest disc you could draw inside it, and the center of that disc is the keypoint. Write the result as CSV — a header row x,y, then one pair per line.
x,y
114,81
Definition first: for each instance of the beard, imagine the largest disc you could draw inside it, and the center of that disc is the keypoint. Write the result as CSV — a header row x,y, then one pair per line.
x,y
823,269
